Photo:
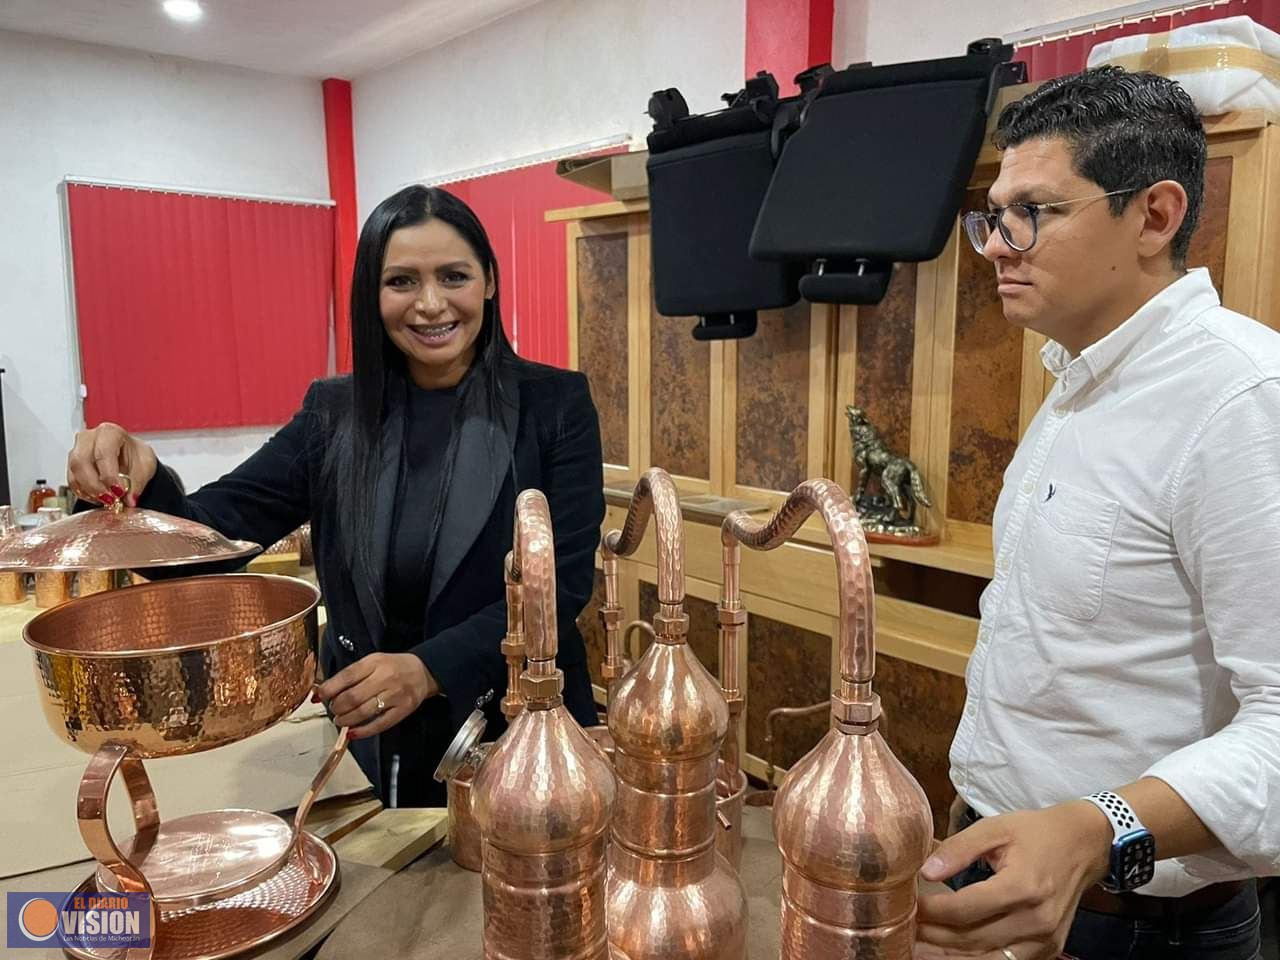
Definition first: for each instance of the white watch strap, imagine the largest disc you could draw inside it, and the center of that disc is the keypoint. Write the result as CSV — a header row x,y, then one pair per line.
x,y
1123,819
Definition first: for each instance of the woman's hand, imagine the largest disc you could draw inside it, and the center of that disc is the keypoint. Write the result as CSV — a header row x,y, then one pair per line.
x,y
397,681
99,457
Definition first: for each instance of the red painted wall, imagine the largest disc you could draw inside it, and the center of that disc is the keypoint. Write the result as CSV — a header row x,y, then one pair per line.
x,y
787,37
530,252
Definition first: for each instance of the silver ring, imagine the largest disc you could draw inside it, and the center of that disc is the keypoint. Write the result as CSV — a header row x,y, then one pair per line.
x,y
1008,954
380,706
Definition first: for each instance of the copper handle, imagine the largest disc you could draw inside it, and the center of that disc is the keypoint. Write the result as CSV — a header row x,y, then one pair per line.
x,y
317,784
776,712
91,817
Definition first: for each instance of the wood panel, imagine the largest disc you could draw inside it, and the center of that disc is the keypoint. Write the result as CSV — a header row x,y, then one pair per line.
x,y
680,406
985,388
787,666
1209,242
602,336
771,428
922,708
884,369
593,630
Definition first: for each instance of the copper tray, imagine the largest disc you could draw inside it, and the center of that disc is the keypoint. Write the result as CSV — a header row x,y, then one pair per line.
x,y
225,928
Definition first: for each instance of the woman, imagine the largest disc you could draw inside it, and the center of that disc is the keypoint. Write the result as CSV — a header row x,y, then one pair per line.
x,y
408,470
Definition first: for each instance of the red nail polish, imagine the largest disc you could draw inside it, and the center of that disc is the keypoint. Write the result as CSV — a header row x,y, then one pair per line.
x,y
117,490
315,698
107,499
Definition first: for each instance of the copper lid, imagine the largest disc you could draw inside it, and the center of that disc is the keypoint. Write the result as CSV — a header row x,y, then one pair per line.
x,y
126,539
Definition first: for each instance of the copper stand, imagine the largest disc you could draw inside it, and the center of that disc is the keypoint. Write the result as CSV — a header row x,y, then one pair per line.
x,y
220,883
670,894
853,825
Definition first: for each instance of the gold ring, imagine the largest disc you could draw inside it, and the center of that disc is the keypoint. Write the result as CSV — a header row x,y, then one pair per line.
x,y
380,706
1008,954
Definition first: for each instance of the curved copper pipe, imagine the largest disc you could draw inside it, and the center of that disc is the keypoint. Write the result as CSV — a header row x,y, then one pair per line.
x,y
853,703
852,824
655,495
533,566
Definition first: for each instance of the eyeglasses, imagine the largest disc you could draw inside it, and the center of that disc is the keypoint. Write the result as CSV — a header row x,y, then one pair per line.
x,y
1018,223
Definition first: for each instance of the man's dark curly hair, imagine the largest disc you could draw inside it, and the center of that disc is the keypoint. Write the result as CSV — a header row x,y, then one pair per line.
x,y
1124,130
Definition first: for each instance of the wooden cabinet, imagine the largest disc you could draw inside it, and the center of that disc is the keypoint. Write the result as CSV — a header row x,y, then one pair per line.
x,y
938,369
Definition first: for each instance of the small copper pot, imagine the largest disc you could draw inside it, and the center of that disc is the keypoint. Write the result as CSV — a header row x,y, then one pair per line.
x,y
464,832
95,581
52,588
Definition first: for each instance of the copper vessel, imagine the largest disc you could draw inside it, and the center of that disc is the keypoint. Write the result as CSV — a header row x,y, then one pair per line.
x,y
544,796
670,893
173,668
178,666
13,587
853,825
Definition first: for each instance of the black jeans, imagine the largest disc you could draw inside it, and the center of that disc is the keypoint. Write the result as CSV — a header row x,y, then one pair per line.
x,y
1232,931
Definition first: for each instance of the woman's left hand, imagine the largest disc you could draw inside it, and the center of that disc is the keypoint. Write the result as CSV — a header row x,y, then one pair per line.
x,y
377,692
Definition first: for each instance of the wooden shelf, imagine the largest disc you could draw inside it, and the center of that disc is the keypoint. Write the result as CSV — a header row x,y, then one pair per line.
x,y
612,208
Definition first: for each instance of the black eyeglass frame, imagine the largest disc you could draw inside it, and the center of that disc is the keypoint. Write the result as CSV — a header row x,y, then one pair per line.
x,y
994,219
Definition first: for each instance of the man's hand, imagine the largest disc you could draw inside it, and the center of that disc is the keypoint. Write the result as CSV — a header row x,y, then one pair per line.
x,y
1043,861
400,681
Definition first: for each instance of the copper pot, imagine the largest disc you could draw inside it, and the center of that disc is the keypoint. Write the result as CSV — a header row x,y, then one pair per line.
x,y
853,825
464,832
670,894
13,588
175,667
544,797
731,790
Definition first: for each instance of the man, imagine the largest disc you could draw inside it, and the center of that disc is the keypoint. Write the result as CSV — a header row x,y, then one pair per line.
x,y
1128,640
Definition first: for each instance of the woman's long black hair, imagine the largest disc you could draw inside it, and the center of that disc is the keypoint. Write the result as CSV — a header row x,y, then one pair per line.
x,y
353,464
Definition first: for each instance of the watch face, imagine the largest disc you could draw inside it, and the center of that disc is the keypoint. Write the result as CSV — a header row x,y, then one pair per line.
x,y
1133,862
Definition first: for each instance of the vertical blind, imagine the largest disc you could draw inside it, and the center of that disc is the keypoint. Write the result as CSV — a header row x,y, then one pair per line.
x,y
198,311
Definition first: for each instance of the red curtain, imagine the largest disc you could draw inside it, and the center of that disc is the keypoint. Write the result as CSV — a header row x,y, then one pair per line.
x,y
195,311
1048,60
530,252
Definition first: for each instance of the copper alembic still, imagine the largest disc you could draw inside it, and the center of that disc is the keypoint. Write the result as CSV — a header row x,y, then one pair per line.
x,y
168,668
853,825
671,894
543,795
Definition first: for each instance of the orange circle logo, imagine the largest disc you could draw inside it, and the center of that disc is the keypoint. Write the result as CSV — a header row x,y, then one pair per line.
x,y
38,919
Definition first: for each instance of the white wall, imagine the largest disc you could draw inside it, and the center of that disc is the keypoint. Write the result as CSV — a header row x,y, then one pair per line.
x,y
891,31
81,110
556,74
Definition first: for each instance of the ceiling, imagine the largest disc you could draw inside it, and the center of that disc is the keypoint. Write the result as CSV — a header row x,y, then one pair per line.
x,y
309,38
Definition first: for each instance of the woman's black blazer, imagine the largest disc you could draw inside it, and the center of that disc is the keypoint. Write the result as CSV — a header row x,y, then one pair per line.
x,y
548,438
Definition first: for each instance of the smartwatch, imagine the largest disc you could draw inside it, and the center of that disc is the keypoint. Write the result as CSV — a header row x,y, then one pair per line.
x,y
1133,848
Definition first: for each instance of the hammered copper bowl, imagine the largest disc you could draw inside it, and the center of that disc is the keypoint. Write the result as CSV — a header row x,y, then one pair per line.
x,y
178,666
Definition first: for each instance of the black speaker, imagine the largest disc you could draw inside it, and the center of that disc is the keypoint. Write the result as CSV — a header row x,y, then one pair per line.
x,y
877,170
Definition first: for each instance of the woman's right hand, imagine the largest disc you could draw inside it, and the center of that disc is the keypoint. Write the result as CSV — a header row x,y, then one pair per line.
x,y
98,459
